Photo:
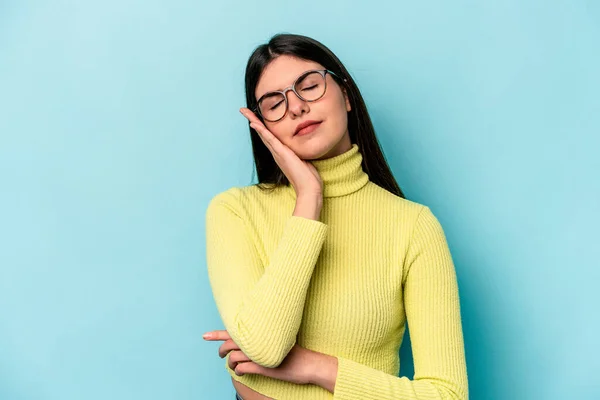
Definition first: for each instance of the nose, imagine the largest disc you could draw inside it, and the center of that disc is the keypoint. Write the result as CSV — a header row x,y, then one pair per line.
x,y
296,106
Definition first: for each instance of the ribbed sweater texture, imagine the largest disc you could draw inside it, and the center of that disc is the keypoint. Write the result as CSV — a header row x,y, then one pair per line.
x,y
345,285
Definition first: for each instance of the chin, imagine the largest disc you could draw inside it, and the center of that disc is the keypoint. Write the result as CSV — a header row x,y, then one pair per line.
x,y
314,149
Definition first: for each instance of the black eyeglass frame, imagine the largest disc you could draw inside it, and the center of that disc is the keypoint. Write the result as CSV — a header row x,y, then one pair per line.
x,y
323,73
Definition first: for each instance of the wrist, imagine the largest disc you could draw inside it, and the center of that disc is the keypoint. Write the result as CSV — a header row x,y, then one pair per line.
x,y
308,206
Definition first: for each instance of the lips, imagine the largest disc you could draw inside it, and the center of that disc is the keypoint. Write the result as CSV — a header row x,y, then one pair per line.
x,y
305,124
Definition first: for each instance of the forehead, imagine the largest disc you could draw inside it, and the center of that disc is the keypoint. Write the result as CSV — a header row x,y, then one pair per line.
x,y
281,73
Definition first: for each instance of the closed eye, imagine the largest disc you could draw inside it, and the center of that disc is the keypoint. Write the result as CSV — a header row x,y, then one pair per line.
x,y
276,105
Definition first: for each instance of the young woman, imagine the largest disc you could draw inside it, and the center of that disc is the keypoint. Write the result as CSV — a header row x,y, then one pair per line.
x,y
318,268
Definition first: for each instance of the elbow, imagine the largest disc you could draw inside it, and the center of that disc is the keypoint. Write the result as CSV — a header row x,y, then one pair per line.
x,y
454,392
268,352
267,356
270,360
451,388
461,395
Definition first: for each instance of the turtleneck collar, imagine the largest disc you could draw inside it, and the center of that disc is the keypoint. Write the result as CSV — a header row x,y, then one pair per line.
x,y
342,174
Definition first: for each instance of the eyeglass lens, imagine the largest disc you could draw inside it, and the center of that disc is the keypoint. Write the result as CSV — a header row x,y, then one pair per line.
x,y
309,87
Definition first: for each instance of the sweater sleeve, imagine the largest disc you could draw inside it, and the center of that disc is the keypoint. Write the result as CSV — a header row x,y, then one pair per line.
x,y
261,305
433,313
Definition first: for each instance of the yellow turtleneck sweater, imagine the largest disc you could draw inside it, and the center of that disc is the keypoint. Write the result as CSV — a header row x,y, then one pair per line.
x,y
345,285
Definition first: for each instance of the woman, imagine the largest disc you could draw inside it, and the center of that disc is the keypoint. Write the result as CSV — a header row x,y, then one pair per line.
x,y
317,270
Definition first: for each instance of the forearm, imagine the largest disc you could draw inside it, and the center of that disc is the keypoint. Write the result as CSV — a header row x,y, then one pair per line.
x,y
257,322
267,321
261,304
325,371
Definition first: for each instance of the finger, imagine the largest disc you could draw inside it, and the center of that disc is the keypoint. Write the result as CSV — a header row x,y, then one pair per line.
x,y
226,347
216,335
267,137
257,125
251,367
236,357
275,146
251,116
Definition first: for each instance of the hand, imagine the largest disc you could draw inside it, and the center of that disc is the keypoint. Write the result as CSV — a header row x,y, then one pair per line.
x,y
302,174
299,366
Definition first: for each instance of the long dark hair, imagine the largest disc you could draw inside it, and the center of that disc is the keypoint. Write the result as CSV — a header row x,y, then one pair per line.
x,y
360,126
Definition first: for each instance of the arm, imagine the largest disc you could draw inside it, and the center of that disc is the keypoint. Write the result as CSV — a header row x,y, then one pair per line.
x,y
261,305
433,313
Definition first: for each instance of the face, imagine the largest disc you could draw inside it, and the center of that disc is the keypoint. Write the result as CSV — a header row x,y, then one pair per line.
x,y
330,137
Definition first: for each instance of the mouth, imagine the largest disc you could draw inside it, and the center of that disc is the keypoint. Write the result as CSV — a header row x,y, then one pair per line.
x,y
306,127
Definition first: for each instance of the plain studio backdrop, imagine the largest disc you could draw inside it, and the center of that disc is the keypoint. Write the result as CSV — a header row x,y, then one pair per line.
x,y
119,121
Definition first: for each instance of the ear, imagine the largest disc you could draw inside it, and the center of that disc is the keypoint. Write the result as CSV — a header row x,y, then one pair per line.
x,y
347,99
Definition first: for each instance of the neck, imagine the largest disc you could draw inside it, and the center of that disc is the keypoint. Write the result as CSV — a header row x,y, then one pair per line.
x,y
342,174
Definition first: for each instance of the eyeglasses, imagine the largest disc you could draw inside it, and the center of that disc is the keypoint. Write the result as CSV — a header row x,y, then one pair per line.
x,y
310,86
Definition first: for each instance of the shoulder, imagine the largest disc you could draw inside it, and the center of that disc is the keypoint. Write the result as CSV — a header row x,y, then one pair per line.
x,y
228,197
231,198
413,217
398,205
243,200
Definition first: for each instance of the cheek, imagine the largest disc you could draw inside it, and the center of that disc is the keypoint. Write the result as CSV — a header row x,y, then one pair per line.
x,y
336,104
337,110
280,130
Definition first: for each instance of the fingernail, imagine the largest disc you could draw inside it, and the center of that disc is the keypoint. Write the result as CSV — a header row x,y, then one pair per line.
x,y
207,336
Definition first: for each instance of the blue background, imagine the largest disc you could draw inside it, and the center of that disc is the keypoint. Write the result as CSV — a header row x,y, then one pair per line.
x,y
119,121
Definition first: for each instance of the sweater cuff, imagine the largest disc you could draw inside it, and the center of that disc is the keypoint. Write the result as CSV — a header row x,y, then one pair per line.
x,y
357,381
